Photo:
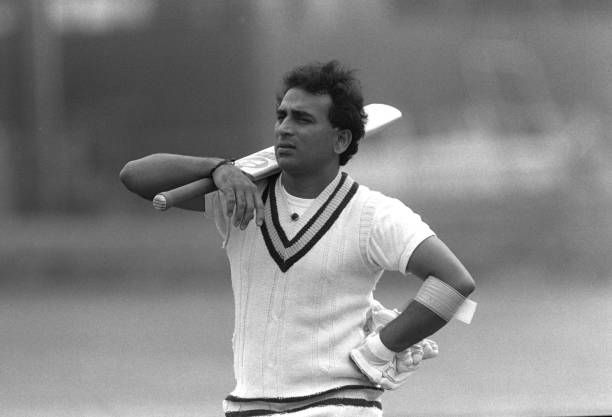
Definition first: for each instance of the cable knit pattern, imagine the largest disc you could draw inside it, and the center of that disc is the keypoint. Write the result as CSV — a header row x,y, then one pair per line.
x,y
295,323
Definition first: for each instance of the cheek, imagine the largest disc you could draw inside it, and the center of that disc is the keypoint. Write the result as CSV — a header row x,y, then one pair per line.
x,y
326,143
321,151
316,145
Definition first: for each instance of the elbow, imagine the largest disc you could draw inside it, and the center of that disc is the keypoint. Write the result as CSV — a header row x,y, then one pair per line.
x,y
130,178
126,175
465,285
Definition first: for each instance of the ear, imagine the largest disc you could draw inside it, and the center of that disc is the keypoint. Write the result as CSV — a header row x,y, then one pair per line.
x,y
342,141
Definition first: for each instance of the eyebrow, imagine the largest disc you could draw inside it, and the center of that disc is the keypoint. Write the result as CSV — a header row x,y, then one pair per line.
x,y
295,113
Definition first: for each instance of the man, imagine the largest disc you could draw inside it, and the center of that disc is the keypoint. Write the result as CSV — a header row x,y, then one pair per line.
x,y
309,339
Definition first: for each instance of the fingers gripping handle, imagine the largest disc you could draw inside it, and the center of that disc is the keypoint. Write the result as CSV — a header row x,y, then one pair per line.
x,y
256,166
163,201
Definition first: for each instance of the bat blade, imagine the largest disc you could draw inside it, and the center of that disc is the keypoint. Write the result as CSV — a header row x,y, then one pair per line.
x,y
263,163
379,116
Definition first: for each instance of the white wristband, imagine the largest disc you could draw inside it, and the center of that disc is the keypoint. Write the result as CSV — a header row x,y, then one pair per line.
x,y
440,298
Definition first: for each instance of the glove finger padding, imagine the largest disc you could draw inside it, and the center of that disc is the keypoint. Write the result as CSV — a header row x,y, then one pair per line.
x,y
430,348
408,360
410,357
394,377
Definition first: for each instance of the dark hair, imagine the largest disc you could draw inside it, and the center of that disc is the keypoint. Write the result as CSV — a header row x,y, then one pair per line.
x,y
346,111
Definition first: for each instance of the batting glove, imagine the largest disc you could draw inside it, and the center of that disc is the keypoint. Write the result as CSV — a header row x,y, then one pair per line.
x,y
378,317
408,360
381,365
373,358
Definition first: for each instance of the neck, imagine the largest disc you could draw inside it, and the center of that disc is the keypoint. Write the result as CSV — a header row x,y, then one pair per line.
x,y
307,186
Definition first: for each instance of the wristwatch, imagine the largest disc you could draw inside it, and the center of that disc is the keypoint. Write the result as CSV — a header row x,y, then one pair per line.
x,y
223,162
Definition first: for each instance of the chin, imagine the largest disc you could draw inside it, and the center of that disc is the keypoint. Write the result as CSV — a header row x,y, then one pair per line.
x,y
290,165
286,164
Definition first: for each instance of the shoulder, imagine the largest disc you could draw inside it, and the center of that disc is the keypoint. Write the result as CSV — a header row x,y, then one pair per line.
x,y
379,203
382,214
378,210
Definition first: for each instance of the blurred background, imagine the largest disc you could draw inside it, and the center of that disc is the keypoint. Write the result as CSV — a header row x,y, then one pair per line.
x,y
108,308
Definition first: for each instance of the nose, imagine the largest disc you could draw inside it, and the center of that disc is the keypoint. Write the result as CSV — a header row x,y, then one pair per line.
x,y
283,127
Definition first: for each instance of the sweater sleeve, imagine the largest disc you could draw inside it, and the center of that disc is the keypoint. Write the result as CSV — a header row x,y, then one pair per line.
x,y
395,233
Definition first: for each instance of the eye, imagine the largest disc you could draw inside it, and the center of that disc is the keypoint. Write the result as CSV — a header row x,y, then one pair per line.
x,y
303,119
280,115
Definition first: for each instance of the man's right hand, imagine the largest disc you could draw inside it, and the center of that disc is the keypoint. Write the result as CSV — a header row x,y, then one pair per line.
x,y
240,196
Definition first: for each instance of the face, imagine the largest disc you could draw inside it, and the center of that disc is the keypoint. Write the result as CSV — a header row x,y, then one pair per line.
x,y
304,135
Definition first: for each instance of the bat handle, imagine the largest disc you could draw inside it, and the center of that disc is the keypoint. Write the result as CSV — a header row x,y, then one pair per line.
x,y
167,199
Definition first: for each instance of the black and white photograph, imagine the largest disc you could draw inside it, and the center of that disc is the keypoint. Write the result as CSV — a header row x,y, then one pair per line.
x,y
305,208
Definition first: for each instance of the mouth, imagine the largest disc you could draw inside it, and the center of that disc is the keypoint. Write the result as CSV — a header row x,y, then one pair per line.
x,y
284,148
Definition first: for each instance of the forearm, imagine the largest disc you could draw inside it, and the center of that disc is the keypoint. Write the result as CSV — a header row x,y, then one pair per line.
x,y
414,324
436,303
156,173
432,258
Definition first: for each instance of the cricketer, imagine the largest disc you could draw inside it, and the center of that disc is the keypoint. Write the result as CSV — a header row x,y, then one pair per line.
x,y
306,248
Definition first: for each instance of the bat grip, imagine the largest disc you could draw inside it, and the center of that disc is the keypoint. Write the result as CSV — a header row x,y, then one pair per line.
x,y
167,199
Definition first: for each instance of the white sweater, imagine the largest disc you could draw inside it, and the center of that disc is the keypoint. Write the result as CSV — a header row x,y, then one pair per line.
x,y
302,288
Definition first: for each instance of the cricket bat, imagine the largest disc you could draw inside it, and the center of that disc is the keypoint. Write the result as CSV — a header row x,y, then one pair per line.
x,y
263,163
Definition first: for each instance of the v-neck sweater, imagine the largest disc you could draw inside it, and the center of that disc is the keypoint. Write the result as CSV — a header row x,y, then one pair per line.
x,y
301,300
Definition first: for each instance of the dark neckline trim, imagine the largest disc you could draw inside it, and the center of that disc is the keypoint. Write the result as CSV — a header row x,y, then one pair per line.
x,y
308,225
285,264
